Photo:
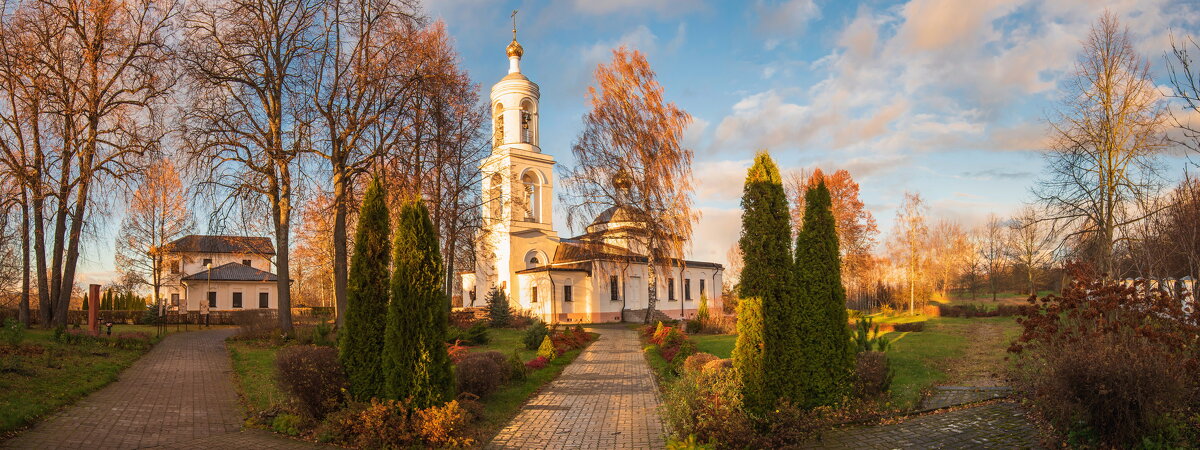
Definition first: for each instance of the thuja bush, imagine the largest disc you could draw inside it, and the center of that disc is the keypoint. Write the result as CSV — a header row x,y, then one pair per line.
x,y
314,376
1113,362
534,335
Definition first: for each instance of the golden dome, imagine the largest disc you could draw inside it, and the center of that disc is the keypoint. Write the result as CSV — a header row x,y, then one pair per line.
x,y
514,49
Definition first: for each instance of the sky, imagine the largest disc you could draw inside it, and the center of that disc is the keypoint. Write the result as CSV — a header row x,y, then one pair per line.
x,y
947,98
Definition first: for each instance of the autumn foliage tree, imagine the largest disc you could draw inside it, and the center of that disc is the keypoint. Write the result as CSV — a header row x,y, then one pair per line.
x,y
630,156
856,227
907,246
157,215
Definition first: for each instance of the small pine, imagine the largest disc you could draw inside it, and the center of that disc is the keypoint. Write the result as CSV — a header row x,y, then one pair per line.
x,y
499,313
547,349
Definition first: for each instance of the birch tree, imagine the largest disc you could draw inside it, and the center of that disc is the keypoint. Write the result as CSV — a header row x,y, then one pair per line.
x,y
1107,134
630,156
157,215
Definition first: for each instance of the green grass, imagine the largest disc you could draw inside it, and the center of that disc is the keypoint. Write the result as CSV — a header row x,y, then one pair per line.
x,y
719,345
44,375
919,359
254,367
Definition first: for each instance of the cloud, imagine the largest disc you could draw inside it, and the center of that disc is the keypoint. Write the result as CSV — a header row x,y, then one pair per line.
x,y
996,174
717,230
719,180
788,18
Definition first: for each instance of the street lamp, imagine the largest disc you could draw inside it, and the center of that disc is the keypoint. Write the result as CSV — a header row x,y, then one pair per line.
x,y
209,292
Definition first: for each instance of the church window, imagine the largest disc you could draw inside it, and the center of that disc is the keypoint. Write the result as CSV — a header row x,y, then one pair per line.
x,y
498,127
527,122
532,198
687,289
494,196
567,293
533,294
671,289
614,288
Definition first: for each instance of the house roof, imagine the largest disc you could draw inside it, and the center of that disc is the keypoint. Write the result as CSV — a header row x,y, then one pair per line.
x,y
232,272
223,244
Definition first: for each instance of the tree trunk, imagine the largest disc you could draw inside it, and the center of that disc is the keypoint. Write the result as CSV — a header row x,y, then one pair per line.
x,y
23,307
652,280
340,242
39,256
282,212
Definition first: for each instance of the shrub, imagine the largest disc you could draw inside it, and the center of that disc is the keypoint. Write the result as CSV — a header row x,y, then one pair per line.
x,y
696,362
457,351
13,332
443,426
693,326
702,312
516,367
132,340
314,376
288,424
547,350
748,355
383,424
872,374
537,363
256,323
498,310
863,340
1114,361
482,373
709,406
909,327
535,334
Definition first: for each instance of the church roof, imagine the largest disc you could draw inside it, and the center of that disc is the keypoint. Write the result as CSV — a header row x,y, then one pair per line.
x,y
615,214
577,250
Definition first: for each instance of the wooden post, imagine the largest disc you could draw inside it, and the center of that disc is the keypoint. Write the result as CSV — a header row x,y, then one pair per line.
x,y
94,309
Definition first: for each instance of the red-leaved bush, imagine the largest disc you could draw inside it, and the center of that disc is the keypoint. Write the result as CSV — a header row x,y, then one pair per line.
x,y
537,363
1116,363
314,376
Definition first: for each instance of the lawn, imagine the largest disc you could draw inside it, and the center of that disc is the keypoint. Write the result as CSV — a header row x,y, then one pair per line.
x,y
254,365
41,375
946,350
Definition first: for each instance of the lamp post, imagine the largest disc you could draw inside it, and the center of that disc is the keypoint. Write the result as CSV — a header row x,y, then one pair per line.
x,y
209,292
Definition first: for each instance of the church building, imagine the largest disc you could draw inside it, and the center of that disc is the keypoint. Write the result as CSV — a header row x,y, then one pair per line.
x,y
597,277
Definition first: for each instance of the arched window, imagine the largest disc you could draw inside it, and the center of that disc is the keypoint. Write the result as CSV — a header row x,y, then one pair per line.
x,y
532,199
498,125
528,122
495,192
534,259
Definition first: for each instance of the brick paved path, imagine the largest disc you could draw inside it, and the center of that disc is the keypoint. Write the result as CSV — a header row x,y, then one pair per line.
x,y
178,395
943,396
606,398
994,425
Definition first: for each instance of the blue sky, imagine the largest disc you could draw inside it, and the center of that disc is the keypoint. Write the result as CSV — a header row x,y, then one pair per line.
x,y
944,97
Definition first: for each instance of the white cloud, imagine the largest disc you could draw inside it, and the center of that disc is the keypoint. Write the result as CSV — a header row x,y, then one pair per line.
x,y
719,180
787,18
717,230
626,7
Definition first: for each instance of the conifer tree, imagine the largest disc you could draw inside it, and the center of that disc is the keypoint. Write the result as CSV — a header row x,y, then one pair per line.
x,y
361,338
85,301
499,313
825,353
767,274
415,362
748,355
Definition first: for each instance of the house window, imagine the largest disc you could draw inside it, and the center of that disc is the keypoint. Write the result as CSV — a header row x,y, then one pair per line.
x,y
567,293
262,299
246,262
671,289
687,289
174,299
212,299
237,299
533,294
207,262
701,288
614,289
174,266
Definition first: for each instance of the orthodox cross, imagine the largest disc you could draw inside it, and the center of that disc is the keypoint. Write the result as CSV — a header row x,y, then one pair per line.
x,y
514,20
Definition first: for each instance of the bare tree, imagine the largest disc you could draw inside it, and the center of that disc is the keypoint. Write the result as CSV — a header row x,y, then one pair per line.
x,y
1030,244
909,236
156,216
993,251
630,156
250,62
1107,133
362,82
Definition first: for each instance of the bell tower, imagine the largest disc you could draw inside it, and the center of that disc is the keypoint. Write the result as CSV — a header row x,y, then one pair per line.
x,y
518,181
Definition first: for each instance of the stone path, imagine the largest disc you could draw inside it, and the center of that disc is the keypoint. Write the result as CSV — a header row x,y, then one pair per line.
x,y
179,395
943,396
606,398
994,425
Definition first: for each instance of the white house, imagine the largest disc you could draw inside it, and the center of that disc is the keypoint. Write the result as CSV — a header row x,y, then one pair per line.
x,y
599,276
230,273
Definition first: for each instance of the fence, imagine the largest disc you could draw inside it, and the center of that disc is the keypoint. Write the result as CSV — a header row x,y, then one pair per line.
x,y
141,316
